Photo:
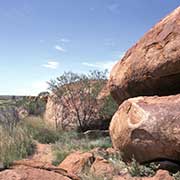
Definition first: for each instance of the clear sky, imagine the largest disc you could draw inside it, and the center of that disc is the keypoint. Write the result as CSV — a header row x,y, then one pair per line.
x,y
40,39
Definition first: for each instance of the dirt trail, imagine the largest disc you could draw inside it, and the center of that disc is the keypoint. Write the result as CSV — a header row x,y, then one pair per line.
x,y
43,153
37,167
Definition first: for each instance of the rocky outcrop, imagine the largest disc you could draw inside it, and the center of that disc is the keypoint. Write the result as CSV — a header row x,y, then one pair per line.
x,y
152,65
77,162
56,115
148,128
102,168
76,166
92,162
94,165
33,170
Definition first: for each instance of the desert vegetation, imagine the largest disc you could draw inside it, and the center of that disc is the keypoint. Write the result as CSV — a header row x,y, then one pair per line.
x,y
77,94
21,142
15,144
73,141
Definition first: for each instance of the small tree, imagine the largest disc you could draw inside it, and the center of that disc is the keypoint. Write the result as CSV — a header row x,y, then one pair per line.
x,y
77,95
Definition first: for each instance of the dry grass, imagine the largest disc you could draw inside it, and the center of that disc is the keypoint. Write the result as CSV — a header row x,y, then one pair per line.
x,y
72,141
14,145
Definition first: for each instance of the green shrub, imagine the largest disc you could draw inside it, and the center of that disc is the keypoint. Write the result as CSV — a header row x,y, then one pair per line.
x,y
45,136
60,156
41,131
116,160
72,141
34,105
109,107
103,142
14,145
135,169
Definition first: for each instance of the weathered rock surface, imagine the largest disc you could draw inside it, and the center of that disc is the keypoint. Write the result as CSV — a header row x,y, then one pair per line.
x,y
152,65
33,170
27,173
160,175
57,116
101,167
148,128
76,162
75,165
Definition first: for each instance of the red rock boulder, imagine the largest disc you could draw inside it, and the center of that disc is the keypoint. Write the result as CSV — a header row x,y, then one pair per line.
x,y
148,128
33,170
152,65
77,162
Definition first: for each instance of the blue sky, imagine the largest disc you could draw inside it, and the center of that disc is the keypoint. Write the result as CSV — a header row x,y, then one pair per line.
x,y
40,39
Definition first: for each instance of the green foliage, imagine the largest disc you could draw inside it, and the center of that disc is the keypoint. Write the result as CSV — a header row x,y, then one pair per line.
x,y
14,145
81,143
41,131
135,169
60,156
117,162
34,105
109,107
72,141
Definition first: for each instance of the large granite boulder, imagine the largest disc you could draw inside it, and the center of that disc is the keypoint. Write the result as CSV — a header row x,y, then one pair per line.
x,y
148,128
152,65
